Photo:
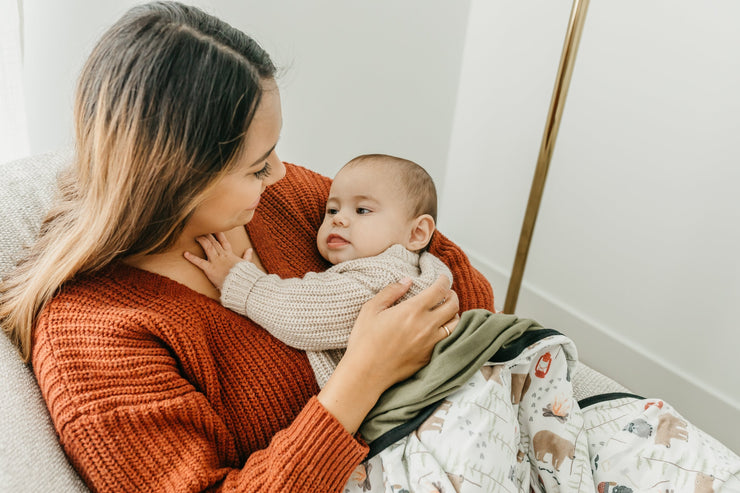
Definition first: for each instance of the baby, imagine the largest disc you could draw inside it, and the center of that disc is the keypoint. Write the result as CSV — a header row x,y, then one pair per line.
x,y
380,217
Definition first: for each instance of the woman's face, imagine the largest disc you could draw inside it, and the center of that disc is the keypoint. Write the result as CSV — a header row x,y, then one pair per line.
x,y
232,201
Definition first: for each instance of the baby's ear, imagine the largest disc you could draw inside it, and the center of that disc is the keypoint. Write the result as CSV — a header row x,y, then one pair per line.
x,y
421,232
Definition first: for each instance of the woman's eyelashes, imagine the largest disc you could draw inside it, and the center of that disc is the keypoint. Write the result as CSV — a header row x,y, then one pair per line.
x,y
264,172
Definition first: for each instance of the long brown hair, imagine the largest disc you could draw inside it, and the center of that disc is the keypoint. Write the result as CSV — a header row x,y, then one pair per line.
x,y
161,110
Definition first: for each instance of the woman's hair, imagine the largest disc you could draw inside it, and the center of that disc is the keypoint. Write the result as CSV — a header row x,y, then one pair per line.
x,y
162,107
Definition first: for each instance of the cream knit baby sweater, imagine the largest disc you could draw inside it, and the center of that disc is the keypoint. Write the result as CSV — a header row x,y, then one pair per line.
x,y
316,313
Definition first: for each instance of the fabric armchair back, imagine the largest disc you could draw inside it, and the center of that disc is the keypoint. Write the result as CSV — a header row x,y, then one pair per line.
x,y
31,458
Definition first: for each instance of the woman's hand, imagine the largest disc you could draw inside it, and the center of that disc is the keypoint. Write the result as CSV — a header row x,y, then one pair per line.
x,y
388,344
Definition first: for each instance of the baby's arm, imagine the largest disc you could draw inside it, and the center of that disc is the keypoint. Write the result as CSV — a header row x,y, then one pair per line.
x,y
220,258
312,313
317,312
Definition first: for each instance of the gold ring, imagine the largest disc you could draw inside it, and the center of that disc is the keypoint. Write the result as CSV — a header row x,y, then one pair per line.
x,y
446,330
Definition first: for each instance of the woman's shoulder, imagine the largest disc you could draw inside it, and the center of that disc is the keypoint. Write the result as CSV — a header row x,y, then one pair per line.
x,y
470,285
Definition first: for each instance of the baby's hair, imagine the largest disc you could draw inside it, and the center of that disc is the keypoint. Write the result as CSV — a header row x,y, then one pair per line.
x,y
418,186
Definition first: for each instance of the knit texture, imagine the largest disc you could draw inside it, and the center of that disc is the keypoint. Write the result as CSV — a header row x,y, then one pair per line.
x,y
316,313
154,387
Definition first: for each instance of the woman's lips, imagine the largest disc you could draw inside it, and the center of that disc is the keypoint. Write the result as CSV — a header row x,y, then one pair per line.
x,y
254,204
336,241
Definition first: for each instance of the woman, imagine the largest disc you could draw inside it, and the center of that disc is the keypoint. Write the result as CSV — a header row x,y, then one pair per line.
x,y
151,384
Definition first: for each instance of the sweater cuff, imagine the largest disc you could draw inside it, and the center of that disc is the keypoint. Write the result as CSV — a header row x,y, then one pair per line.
x,y
237,286
325,446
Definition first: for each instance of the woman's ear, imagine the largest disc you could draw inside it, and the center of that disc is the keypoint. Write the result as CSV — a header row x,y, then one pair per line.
x,y
421,233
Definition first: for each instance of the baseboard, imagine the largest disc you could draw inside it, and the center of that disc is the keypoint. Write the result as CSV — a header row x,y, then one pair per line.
x,y
606,351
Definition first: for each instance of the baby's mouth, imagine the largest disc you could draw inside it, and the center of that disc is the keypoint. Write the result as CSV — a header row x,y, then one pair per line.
x,y
336,241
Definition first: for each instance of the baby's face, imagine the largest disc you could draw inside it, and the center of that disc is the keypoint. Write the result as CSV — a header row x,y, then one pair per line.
x,y
365,214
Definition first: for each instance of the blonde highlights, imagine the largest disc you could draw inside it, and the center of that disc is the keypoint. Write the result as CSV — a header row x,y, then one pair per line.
x,y
161,110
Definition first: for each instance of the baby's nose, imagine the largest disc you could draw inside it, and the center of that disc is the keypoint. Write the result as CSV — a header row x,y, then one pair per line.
x,y
340,219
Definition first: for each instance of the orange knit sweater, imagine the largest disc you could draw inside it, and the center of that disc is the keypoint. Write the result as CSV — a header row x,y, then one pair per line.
x,y
154,387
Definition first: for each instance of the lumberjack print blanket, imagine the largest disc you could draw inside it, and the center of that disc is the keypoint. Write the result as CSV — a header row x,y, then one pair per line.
x,y
515,426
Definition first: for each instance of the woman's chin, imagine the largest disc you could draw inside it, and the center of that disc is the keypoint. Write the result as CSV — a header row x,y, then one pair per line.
x,y
245,217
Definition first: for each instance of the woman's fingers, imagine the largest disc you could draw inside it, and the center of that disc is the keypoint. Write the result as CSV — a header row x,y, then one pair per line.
x,y
440,302
447,328
437,294
387,296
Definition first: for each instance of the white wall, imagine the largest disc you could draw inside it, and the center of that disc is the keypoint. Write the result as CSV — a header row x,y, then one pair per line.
x,y
357,77
13,135
635,254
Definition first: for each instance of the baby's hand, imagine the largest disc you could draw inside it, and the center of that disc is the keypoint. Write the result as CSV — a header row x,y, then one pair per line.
x,y
220,258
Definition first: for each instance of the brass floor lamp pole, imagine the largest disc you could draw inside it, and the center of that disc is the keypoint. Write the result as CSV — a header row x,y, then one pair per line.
x,y
559,93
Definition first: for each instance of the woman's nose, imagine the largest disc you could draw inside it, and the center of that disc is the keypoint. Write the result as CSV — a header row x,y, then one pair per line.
x,y
277,170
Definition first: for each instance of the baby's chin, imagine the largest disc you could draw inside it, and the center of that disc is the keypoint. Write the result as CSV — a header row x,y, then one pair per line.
x,y
345,254
335,258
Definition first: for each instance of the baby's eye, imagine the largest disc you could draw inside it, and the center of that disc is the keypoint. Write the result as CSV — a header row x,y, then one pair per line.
x,y
330,211
263,173
362,210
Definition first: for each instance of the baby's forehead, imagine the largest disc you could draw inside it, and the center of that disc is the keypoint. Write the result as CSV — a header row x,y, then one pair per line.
x,y
370,182
377,171
378,180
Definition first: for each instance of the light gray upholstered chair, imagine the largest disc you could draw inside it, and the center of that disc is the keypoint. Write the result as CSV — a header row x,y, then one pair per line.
x,y
31,459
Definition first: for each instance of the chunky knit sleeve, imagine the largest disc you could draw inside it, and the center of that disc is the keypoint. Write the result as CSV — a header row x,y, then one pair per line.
x,y
315,312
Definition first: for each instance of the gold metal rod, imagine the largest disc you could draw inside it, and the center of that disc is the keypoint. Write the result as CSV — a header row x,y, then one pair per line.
x,y
557,103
